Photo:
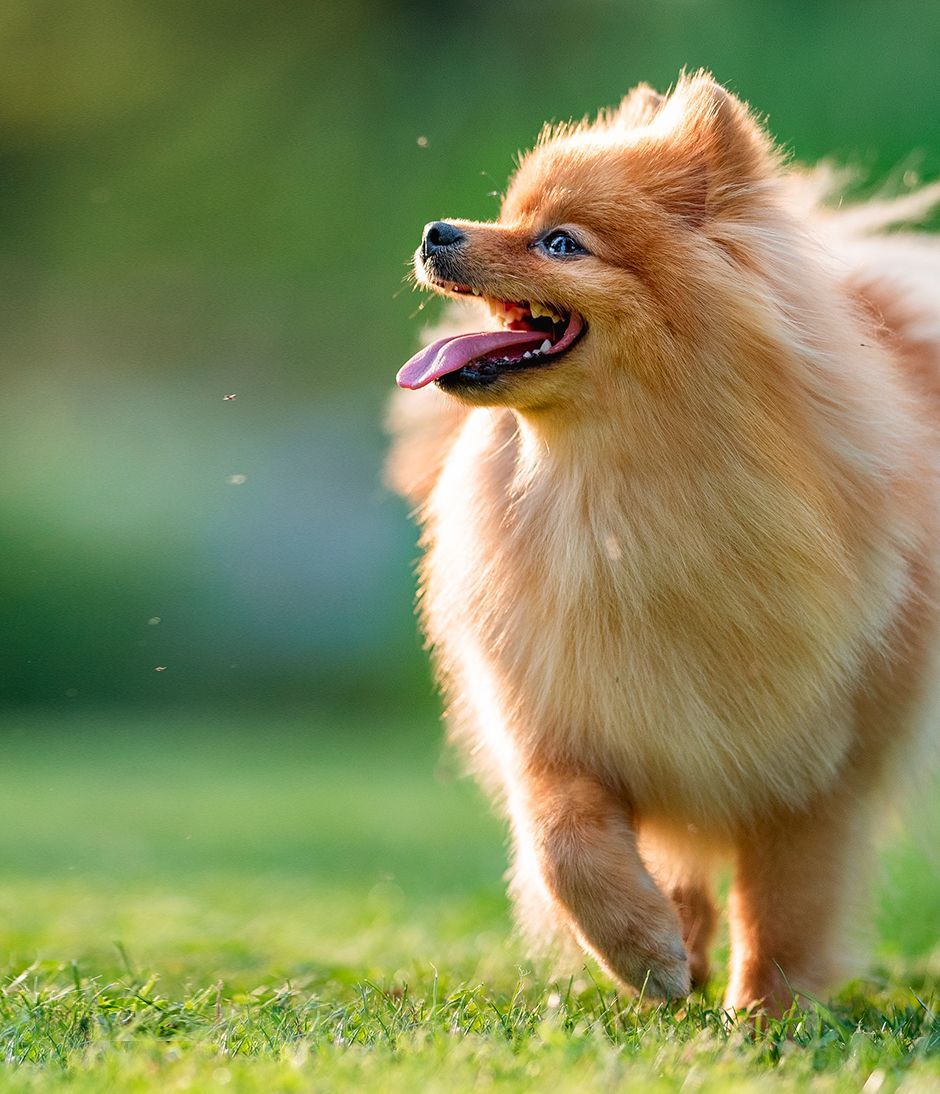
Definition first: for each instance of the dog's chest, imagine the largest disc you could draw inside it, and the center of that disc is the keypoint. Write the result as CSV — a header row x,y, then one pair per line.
x,y
630,645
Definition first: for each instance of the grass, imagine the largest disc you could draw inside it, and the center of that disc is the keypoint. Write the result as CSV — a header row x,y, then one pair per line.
x,y
284,906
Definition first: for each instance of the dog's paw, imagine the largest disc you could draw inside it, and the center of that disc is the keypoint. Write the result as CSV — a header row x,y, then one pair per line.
x,y
668,979
656,964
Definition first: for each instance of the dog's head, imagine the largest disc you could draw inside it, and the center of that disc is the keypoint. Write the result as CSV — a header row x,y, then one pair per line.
x,y
604,257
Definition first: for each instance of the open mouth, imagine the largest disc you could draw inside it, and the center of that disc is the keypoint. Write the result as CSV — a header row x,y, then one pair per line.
x,y
532,336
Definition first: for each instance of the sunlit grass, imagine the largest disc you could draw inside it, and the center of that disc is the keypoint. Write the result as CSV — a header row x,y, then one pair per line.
x,y
275,906
435,1032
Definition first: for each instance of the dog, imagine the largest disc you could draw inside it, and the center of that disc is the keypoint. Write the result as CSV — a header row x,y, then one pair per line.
x,y
676,471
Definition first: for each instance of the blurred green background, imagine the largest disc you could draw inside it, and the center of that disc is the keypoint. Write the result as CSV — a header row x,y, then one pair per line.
x,y
214,198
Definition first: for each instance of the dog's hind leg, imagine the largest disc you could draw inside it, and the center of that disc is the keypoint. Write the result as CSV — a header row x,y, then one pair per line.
x,y
698,917
683,864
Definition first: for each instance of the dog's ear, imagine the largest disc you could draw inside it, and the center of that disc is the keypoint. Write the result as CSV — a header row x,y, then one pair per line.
x,y
638,107
713,152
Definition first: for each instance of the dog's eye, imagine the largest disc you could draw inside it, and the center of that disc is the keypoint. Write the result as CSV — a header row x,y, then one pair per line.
x,y
561,244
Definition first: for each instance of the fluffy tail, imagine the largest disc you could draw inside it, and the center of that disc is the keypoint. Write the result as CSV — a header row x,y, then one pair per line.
x,y
892,271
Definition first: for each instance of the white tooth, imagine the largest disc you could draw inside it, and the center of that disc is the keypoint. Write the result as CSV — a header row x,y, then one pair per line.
x,y
545,346
527,354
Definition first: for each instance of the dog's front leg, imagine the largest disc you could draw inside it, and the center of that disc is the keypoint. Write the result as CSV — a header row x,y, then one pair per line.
x,y
579,833
797,881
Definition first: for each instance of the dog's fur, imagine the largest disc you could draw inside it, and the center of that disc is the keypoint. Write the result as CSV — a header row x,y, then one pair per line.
x,y
680,582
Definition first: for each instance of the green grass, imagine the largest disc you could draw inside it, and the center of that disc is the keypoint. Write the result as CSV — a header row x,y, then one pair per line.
x,y
277,906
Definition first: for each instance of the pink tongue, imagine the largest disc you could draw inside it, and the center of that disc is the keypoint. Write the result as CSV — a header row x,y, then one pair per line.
x,y
450,354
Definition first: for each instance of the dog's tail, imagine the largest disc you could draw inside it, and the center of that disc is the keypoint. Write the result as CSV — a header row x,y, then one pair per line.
x,y
891,269
820,191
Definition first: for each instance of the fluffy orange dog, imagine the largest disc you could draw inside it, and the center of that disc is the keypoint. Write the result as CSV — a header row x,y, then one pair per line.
x,y
680,509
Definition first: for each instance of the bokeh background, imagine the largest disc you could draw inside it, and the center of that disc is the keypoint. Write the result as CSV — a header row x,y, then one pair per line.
x,y
216,198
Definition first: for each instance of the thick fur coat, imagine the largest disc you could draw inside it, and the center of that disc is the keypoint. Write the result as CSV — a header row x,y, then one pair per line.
x,y
680,580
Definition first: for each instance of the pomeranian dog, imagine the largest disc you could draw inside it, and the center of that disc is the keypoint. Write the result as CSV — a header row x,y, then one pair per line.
x,y
677,477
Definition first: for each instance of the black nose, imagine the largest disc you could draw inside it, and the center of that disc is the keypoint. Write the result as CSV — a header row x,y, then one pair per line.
x,y
438,235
